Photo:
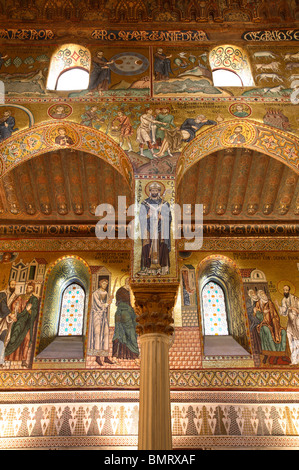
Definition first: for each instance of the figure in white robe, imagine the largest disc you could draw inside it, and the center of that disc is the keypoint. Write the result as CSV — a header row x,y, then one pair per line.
x,y
290,308
99,324
146,131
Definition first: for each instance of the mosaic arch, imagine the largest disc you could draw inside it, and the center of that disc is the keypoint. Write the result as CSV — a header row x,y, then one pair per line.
x,y
67,57
234,59
22,108
226,273
62,272
243,133
50,137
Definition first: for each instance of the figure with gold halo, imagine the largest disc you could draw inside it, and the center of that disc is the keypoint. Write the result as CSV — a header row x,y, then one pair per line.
x,y
273,335
155,225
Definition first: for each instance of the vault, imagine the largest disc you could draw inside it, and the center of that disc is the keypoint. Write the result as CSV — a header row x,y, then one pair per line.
x,y
64,185
241,184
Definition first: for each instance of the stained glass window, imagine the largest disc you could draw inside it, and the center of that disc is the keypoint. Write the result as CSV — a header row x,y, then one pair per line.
x,y
214,310
72,311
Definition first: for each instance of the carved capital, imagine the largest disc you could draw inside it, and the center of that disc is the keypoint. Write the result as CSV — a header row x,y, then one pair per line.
x,y
154,306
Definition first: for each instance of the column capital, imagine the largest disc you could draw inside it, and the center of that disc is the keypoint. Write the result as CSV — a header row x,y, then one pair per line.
x,y
154,306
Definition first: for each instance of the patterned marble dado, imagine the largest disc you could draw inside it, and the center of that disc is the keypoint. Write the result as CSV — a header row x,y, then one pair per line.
x,y
110,419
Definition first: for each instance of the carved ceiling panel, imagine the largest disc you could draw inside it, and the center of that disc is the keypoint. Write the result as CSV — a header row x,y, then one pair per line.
x,y
63,185
240,184
153,11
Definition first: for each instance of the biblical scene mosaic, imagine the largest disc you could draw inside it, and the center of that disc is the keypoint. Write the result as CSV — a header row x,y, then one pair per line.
x,y
125,101
250,297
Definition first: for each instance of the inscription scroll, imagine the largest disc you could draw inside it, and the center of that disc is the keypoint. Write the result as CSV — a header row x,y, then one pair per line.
x,y
151,36
275,35
27,34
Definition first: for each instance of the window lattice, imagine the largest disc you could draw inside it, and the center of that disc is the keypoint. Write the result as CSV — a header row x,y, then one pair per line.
x,y
72,311
214,310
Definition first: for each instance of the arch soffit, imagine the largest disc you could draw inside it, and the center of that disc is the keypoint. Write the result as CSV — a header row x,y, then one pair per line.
x,y
44,138
203,272
259,137
203,269
68,267
209,260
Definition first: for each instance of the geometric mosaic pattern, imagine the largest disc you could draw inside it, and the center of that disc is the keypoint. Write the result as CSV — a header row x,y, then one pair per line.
x,y
69,245
230,419
250,379
280,145
98,423
72,311
214,310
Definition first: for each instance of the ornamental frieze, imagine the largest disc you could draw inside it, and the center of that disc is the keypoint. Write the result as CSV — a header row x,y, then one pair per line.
x,y
275,35
151,36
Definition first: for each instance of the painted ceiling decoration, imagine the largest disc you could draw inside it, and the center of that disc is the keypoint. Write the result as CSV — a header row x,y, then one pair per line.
x,y
61,185
152,11
184,102
242,184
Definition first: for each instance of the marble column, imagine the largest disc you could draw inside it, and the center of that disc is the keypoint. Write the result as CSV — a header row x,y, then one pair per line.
x,y
154,306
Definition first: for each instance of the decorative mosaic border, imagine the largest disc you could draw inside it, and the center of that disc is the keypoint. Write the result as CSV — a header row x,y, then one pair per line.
x,y
150,99
132,396
259,137
67,245
235,443
214,379
41,139
47,420
65,442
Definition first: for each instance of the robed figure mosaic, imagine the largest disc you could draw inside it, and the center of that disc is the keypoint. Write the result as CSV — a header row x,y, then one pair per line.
x,y
98,343
124,340
22,330
155,226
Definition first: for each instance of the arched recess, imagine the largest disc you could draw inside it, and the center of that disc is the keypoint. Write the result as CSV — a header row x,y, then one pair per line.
x,y
45,138
61,185
231,59
237,184
68,57
60,274
253,135
223,271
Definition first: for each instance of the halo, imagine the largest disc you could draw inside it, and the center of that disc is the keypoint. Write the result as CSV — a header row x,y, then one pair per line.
x,y
283,283
64,105
245,106
124,276
146,189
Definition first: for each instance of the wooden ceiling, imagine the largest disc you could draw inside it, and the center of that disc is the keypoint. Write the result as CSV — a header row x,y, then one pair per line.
x,y
233,185
240,184
60,186
143,11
